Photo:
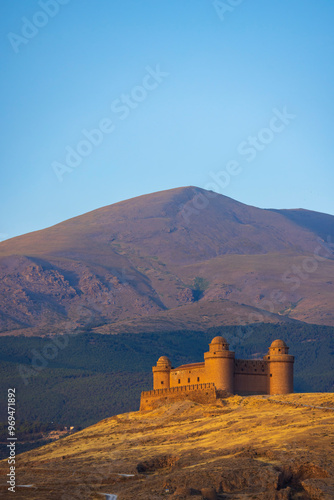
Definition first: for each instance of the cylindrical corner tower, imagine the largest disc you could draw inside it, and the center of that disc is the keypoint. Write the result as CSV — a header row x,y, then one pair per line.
x,y
219,365
161,373
280,368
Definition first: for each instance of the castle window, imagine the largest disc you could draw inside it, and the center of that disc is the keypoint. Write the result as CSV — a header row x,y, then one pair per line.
x,y
279,349
188,380
162,382
179,381
197,379
271,374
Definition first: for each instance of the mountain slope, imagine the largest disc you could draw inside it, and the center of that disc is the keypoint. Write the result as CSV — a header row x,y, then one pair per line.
x,y
317,222
170,255
268,448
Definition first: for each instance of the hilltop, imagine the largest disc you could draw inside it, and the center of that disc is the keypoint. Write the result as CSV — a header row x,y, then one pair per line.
x,y
184,258
257,447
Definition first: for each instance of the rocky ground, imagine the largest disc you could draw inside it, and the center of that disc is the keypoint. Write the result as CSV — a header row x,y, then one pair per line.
x,y
256,447
156,262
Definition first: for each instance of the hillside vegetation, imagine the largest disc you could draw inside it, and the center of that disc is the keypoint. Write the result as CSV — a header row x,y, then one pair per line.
x,y
96,376
264,448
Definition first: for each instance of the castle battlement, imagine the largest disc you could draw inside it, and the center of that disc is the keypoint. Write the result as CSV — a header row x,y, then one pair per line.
x,y
221,373
182,388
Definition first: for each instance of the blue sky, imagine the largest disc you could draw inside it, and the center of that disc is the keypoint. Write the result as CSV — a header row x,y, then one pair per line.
x,y
180,88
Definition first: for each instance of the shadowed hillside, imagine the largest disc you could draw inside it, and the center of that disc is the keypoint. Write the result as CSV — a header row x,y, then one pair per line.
x,y
178,259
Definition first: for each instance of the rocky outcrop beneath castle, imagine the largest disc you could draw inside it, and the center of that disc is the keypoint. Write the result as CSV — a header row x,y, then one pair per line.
x,y
199,393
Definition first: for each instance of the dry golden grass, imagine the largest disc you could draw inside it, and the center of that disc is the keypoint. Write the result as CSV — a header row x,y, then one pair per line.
x,y
243,447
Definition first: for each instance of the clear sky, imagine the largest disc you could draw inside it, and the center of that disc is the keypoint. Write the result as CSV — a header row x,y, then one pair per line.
x,y
179,90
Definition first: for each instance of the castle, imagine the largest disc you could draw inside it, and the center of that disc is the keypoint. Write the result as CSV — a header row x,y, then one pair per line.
x,y
221,374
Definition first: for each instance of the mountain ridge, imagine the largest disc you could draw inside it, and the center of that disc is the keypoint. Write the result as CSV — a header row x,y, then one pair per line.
x,y
176,193
160,252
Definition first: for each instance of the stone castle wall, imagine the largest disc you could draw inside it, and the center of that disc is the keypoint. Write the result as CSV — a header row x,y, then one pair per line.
x,y
200,393
221,373
250,377
188,375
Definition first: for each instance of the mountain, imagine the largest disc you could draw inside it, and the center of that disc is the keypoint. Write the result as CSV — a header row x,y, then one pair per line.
x,y
185,258
264,448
